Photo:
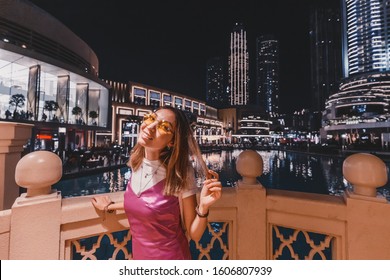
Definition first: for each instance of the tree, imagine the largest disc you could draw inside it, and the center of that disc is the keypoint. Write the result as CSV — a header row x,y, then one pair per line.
x,y
17,100
93,115
77,111
50,106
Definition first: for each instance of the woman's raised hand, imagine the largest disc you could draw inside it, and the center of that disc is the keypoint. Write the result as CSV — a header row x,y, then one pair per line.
x,y
211,190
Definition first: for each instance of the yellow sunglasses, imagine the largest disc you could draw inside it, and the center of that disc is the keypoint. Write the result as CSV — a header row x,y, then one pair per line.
x,y
165,127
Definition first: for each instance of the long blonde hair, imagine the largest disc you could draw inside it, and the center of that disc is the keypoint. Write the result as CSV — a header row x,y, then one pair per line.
x,y
176,159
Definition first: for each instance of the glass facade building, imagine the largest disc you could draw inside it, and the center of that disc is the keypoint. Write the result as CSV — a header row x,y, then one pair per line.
x,y
366,37
49,77
325,53
215,92
267,74
359,111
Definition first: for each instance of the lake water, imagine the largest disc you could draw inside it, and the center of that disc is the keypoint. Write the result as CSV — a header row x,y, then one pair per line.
x,y
281,170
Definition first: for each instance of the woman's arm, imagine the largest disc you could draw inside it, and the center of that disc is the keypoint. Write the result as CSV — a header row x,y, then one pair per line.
x,y
194,225
195,216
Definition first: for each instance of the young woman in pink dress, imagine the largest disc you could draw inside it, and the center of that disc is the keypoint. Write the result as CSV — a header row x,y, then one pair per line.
x,y
162,189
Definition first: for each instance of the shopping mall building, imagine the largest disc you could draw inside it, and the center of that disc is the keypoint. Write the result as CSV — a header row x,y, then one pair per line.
x,y
49,77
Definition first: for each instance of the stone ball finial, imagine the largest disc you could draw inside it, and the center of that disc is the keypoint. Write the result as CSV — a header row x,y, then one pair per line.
x,y
365,172
249,165
38,171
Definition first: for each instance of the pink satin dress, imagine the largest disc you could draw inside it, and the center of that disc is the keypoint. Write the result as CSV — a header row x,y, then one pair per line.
x,y
155,225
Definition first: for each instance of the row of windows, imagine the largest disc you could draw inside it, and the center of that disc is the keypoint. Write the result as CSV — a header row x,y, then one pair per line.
x,y
142,96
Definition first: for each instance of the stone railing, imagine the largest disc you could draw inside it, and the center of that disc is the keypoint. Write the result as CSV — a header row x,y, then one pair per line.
x,y
42,225
248,222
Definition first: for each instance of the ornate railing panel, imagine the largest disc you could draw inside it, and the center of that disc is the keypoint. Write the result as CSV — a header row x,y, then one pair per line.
x,y
117,245
108,246
295,244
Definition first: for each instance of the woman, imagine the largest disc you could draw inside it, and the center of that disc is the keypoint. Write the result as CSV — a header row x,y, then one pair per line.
x,y
162,185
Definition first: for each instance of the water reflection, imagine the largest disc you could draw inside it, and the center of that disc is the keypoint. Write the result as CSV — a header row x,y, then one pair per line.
x,y
281,170
105,182
289,171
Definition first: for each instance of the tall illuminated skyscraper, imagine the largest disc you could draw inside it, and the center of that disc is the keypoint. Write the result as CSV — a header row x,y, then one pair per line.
x,y
362,104
238,89
366,36
325,53
267,74
364,91
215,91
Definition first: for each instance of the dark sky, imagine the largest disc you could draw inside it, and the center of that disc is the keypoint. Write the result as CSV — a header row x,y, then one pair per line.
x,y
167,43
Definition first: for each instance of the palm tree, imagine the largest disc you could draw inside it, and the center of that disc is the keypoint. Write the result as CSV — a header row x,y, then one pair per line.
x,y
77,111
17,100
93,115
50,106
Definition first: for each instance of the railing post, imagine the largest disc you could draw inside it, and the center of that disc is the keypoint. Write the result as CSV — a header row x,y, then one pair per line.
x,y
367,213
36,215
251,198
12,138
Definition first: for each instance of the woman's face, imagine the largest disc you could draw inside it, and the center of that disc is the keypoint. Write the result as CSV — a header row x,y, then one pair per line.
x,y
157,130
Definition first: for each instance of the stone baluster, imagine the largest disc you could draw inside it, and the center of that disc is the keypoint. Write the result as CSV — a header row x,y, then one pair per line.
x,y
36,215
251,199
249,165
365,172
12,138
366,237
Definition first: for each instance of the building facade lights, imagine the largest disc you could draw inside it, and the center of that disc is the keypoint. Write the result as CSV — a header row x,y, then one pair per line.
x,y
238,67
362,102
267,74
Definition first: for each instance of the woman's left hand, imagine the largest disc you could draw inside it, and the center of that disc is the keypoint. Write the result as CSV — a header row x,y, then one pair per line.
x,y
211,190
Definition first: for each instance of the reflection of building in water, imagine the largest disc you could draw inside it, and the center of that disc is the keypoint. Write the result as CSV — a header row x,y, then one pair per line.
x,y
116,180
330,167
267,157
323,175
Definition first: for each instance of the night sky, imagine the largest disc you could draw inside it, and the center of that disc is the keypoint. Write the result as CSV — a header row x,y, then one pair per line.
x,y
166,44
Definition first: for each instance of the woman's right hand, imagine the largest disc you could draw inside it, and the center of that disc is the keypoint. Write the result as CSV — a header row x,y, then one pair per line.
x,y
211,190
100,202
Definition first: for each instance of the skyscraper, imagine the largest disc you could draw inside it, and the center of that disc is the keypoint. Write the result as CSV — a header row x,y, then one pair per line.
x,y
238,89
325,53
267,74
215,87
364,91
359,112
366,36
